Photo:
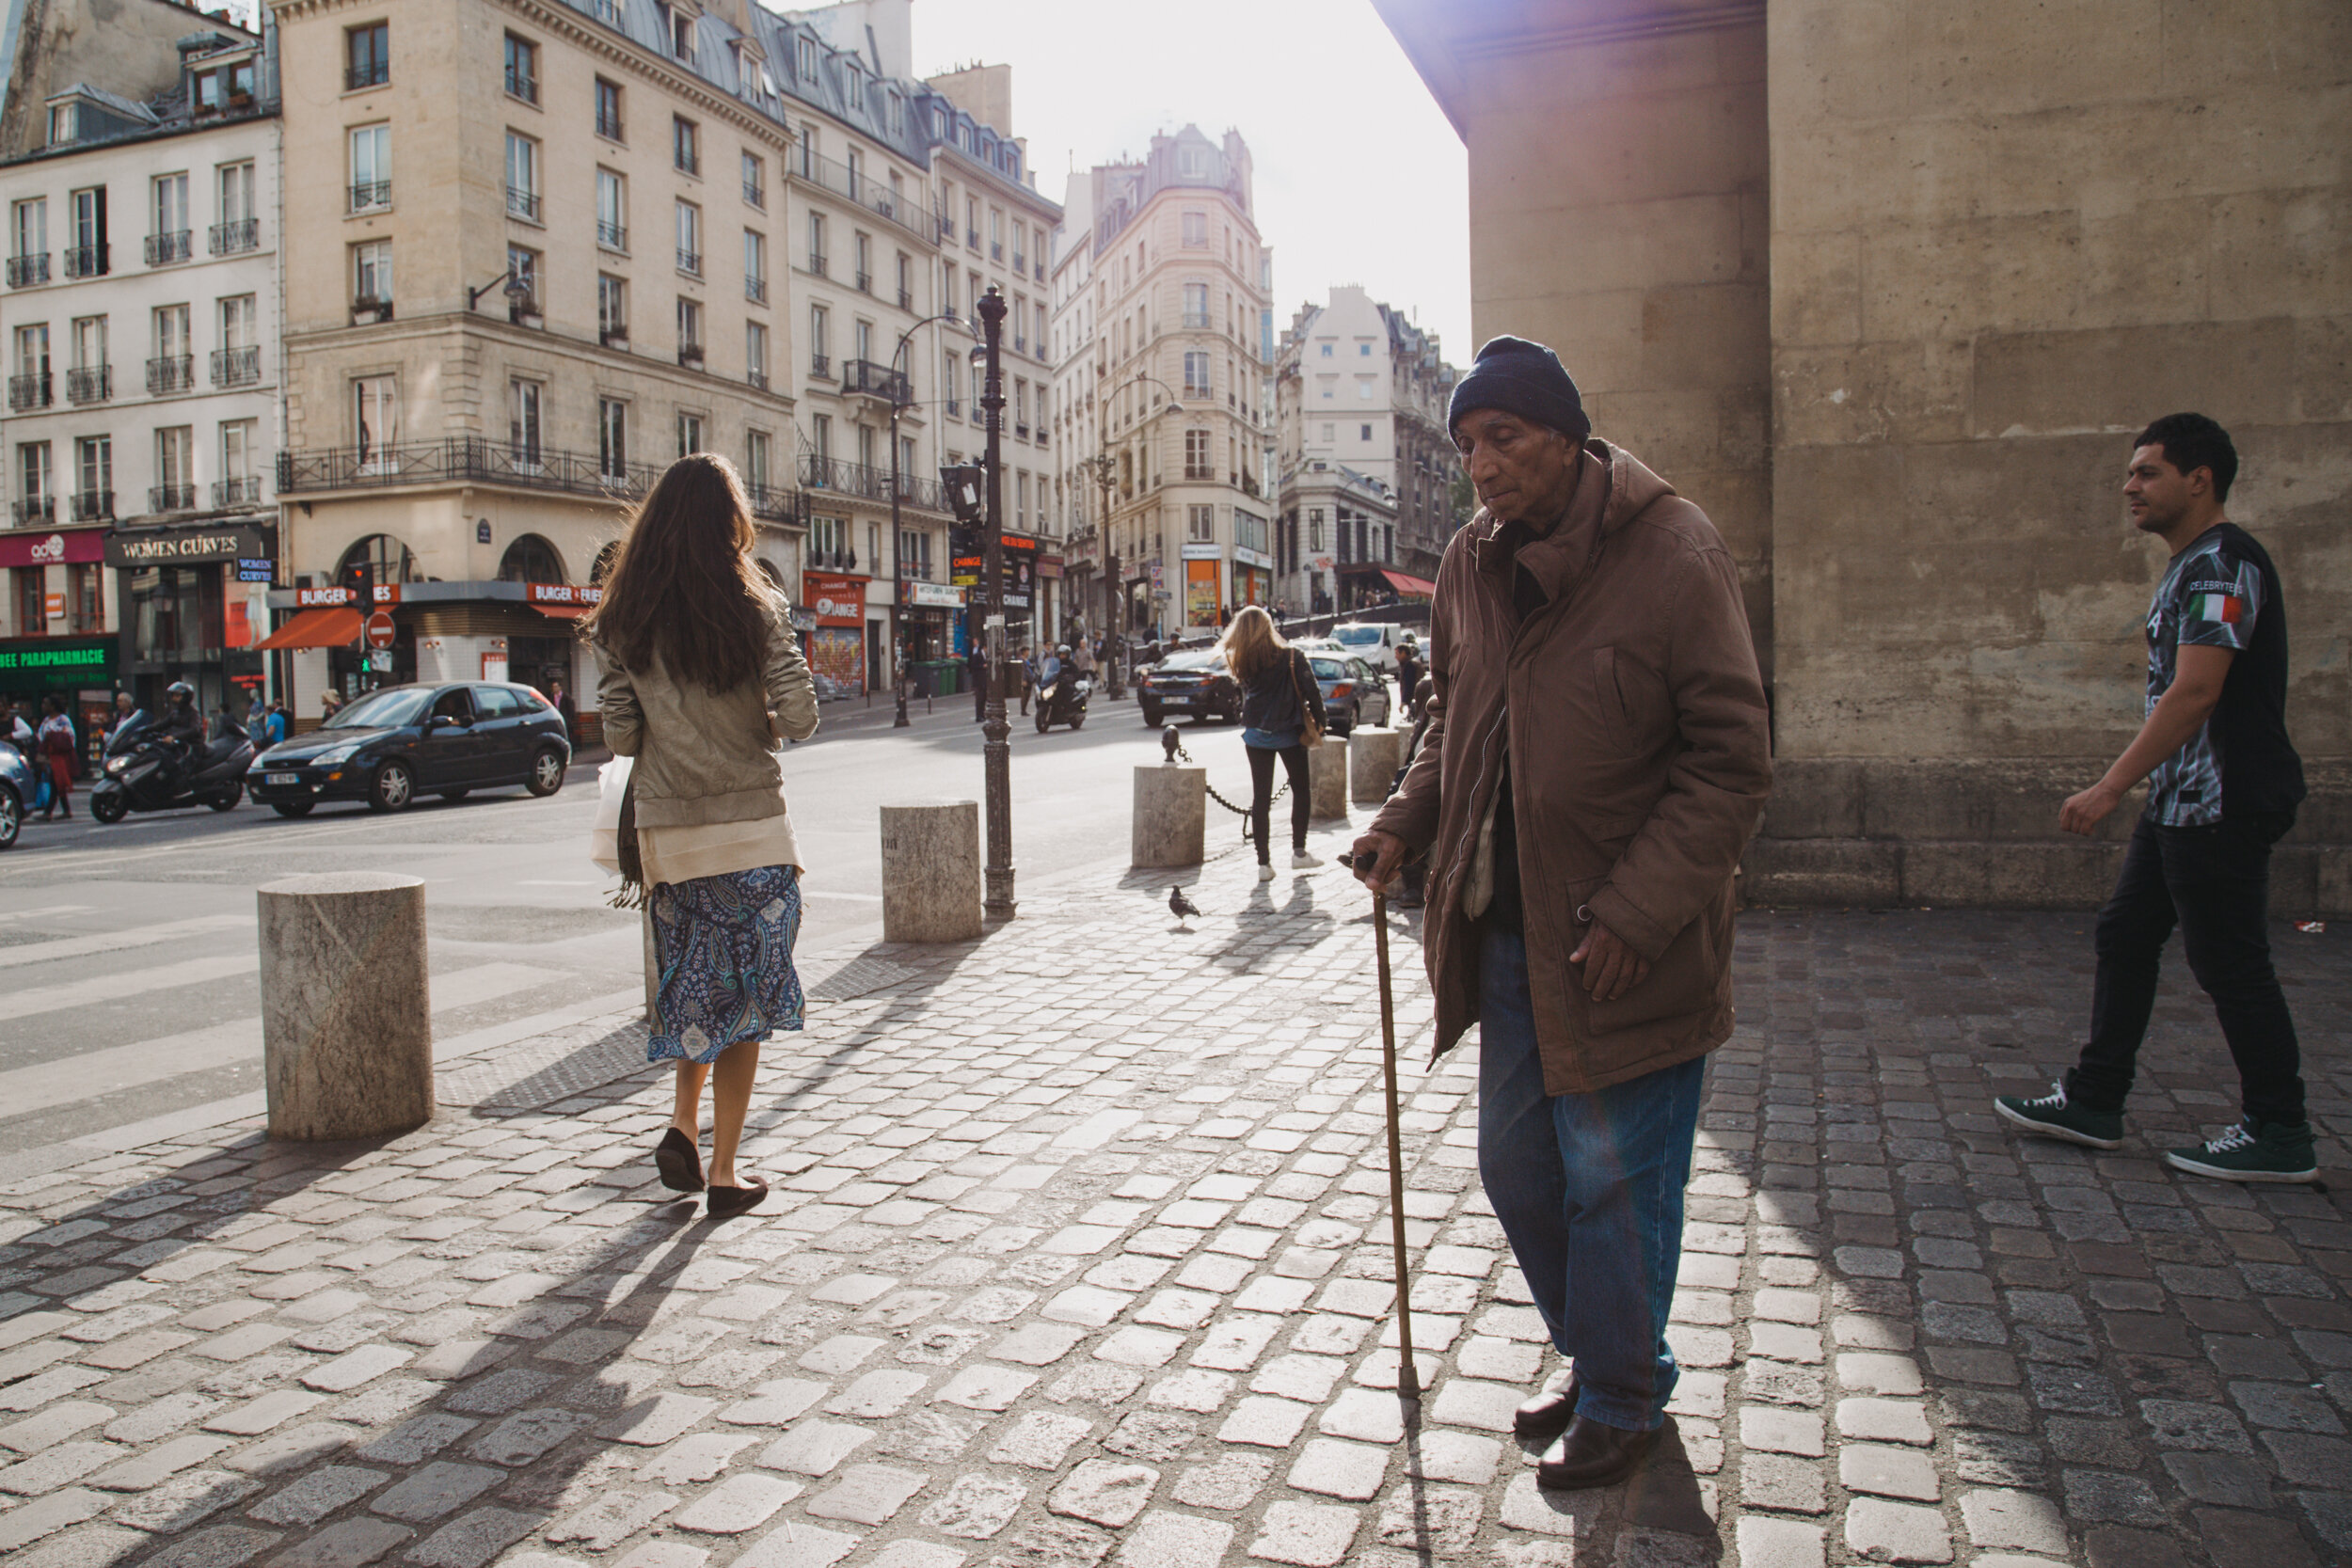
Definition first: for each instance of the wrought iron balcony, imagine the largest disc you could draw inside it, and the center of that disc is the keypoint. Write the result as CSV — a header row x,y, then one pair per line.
x,y
608,126
26,270
1197,321
371,75
690,356
29,391
755,194
756,378
613,236
86,261
459,459
819,368
906,299
171,372
867,378
756,289
817,262
35,510
866,283
164,249
834,475
235,239
773,505
689,260
94,384
522,203
237,367
368,195
236,492
94,506
522,85
171,497
613,337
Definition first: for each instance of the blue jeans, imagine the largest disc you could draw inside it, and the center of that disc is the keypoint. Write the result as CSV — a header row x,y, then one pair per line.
x,y
1588,1188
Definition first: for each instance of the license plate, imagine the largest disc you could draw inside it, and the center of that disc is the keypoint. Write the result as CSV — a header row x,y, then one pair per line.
x,y
281,778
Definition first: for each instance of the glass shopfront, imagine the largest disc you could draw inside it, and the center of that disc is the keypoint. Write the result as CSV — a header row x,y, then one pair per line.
x,y
186,615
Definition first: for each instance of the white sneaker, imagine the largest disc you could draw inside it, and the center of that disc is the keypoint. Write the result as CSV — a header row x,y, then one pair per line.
x,y
1265,873
1304,862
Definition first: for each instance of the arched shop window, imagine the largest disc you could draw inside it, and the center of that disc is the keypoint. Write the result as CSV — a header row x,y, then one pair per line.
x,y
605,557
392,559
531,559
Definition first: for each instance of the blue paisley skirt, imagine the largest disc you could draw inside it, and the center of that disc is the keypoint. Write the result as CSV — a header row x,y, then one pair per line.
x,y
724,945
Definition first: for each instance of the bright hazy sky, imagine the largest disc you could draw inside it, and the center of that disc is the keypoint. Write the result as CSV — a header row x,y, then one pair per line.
x,y
1359,179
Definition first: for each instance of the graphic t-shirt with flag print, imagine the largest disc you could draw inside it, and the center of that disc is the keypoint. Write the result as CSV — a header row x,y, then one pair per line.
x,y
2212,595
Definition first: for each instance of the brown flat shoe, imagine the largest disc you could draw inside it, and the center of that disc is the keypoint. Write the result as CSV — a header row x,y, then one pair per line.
x,y
680,1165
727,1202
1592,1453
1547,1416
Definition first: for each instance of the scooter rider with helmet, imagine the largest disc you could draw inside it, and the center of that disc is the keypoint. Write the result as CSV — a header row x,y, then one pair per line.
x,y
181,724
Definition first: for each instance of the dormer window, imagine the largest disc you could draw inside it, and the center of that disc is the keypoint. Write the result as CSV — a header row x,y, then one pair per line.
x,y
682,36
804,58
857,91
63,124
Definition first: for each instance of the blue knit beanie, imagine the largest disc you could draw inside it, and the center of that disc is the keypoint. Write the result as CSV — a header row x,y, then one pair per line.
x,y
1522,378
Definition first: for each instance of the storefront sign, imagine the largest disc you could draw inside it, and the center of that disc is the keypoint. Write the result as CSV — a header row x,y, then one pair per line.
x,y
1049,566
57,663
578,594
1253,557
840,601
1200,595
931,596
263,570
321,598
52,606
23,548
1201,552
127,549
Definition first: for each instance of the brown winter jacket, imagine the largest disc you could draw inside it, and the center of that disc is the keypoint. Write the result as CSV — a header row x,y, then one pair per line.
x,y
1640,762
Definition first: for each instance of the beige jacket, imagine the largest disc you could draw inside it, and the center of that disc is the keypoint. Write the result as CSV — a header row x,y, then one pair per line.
x,y
1640,760
704,757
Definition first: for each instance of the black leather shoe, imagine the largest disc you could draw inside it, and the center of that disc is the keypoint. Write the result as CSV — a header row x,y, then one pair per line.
x,y
1590,1454
1547,1416
727,1202
680,1165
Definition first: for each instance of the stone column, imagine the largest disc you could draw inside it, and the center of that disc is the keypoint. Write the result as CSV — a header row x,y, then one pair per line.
x,y
931,855
1172,807
1372,755
1326,773
346,1017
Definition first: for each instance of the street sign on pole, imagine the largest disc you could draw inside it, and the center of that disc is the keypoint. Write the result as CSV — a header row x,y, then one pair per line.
x,y
380,630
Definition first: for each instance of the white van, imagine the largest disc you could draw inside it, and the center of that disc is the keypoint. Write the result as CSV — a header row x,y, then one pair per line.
x,y
1374,639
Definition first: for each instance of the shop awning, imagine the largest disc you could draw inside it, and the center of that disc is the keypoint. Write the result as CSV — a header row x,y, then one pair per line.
x,y
1403,584
566,611
333,627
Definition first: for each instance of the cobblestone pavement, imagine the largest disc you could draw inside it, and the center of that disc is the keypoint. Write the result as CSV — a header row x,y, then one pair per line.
x,y
1078,1256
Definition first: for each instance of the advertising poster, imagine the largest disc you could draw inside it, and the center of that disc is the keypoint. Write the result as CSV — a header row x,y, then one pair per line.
x,y
1200,592
836,658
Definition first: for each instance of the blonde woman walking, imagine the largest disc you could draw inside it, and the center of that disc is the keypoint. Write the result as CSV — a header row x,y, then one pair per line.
x,y
1281,714
700,676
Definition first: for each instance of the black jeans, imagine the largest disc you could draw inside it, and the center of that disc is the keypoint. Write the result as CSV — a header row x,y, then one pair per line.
x,y
1261,795
2213,883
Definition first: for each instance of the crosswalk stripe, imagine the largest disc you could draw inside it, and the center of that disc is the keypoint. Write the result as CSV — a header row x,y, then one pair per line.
x,y
137,982
109,942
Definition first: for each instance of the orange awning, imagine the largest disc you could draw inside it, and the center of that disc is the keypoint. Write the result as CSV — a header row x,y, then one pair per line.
x,y
1404,584
316,629
565,612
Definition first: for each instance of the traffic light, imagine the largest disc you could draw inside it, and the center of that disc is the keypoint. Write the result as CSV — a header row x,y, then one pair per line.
x,y
358,581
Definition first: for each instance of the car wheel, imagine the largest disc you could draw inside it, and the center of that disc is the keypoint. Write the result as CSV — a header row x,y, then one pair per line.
x,y
11,817
453,796
393,788
547,772
291,808
1152,718
108,808
226,800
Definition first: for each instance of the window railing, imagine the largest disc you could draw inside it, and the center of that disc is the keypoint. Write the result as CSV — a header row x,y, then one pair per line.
x,y
236,492
28,392
774,505
1197,320
613,236
689,260
755,193
86,261
522,85
820,367
94,384
91,506
906,299
871,379
756,378
237,237
690,356
874,196
237,367
817,262
756,289
608,126
374,75
171,372
612,336
955,408
472,459
26,270
36,512
866,283
869,483
171,497
368,195
522,203
995,251
1020,263
164,249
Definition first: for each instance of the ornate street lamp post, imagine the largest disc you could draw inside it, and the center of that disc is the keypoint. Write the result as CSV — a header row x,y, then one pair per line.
x,y
897,404
996,750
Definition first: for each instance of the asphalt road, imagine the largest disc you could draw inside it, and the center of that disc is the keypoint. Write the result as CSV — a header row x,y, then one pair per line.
x,y
127,953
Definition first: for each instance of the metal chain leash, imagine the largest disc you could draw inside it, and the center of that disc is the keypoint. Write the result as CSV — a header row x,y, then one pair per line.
x,y
1242,812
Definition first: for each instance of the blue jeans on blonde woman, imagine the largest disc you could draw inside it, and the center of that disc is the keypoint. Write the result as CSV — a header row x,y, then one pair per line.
x,y
1588,1188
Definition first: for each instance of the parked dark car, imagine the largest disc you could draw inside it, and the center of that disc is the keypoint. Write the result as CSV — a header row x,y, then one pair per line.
x,y
16,792
393,745
1195,683
1352,691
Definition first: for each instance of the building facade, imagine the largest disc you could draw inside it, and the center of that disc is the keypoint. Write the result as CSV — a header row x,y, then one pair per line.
x,y
1891,310
1360,398
1161,377
142,314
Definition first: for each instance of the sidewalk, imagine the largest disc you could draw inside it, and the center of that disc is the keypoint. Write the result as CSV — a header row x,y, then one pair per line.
x,y
1079,1256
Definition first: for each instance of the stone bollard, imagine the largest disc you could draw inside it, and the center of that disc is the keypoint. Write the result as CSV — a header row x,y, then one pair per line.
x,y
931,855
1170,816
1371,760
346,1019
1327,772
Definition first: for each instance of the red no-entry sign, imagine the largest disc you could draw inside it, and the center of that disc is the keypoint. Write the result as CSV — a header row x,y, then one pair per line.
x,y
380,629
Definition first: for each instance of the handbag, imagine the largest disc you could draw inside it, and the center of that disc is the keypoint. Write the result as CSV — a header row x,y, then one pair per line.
x,y
1309,728
612,838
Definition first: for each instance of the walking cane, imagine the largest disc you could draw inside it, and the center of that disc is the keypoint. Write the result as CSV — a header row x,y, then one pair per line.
x,y
1407,1379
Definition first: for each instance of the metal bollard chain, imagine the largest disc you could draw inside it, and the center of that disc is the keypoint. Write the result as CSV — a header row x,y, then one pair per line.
x,y
1242,812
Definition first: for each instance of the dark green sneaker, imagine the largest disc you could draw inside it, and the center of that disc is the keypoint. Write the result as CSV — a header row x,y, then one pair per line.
x,y
2051,1116
2252,1152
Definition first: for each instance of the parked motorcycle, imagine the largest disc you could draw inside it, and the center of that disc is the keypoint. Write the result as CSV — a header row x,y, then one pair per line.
x,y
150,774
1064,700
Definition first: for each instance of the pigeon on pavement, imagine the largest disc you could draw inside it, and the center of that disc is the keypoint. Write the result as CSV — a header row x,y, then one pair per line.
x,y
1180,906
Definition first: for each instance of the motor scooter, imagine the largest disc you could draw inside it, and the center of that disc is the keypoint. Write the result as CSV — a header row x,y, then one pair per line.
x,y
150,774
1064,700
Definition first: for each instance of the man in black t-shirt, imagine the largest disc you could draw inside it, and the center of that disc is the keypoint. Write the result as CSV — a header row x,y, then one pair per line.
x,y
2223,784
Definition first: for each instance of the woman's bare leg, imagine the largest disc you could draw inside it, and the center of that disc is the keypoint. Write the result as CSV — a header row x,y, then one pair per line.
x,y
686,1115
730,1098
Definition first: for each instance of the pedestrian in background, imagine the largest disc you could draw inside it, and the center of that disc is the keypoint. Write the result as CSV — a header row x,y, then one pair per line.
x,y
1281,715
1408,672
1580,900
279,723
127,717
699,676
330,704
561,702
2223,784
55,741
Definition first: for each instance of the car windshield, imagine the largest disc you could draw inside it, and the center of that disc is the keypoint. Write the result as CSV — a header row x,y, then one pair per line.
x,y
1192,661
1328,669
383,709
1356,636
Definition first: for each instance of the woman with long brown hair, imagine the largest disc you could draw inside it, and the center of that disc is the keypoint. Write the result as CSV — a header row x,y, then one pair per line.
x,y
1280,703
699,677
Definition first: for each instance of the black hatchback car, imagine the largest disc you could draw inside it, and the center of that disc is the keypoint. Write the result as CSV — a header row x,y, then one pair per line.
x,y
393,745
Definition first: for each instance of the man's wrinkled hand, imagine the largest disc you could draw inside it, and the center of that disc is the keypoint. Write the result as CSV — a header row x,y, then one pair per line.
x,y
1377,858
2083,813
1611,968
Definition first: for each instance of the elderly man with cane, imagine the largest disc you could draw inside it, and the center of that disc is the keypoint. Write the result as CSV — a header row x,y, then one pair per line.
x,y
1595,760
